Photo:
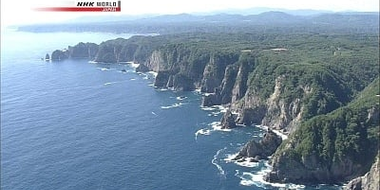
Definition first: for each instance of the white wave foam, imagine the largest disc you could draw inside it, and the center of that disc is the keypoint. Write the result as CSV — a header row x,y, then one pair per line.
x,y
154,114
133,79
172,106
279,133
230,157
214,161
247,162
180,98
221,108
257,179
109,83
153,73
244,162
204,131
92,62
104,69
208,94
208,108
115,82
282,135
216,125
134,65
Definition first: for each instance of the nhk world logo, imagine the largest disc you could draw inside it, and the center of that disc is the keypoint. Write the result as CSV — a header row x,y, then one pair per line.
x,y
86,6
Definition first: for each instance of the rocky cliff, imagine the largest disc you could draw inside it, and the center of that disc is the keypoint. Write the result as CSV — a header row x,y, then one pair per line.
x,y
306,92
331,148
79,51
369,181
186,68
262,149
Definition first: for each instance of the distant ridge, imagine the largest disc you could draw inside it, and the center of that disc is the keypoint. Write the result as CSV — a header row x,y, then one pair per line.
x,y
221,22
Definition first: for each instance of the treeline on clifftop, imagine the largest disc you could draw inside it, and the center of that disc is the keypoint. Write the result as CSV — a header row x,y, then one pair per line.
x,y
320,88
332,147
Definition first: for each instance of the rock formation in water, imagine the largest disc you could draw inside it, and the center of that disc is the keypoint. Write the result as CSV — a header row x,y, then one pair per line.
x,y
262,149
142,68
228,120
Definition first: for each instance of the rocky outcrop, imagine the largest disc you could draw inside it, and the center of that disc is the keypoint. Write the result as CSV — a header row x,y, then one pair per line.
x,y
246,67
142,68
162,79
262,149
228,120
181,68
210,100
227,85
79,51
332,148
182,82
311,170
249,116
83,51
370,181
154,61
59,55
233,85
214,71
223,93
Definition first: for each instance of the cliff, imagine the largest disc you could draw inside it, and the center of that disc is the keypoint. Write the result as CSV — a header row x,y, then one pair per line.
x,y
79,51
262,149
333,147
369,181
306,90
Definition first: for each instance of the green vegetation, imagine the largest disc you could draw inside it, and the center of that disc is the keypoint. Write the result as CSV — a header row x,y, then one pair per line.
x,y
350,132
326,85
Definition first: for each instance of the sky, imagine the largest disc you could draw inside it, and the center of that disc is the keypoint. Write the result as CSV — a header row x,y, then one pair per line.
x,y
15,12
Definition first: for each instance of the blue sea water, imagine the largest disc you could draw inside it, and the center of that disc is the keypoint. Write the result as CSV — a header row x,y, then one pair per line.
x,y
76,125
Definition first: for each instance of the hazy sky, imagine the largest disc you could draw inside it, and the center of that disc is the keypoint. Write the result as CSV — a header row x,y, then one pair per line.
x,y
20,11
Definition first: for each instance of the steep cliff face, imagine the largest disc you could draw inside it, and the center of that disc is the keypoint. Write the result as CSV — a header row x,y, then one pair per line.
x,y
275,111
234,83
155,61
215,70
83,51
331,148
369,181
79,51
281,112
278,97
186,68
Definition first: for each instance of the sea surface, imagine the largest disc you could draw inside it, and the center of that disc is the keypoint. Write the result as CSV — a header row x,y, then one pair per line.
x,y
80,125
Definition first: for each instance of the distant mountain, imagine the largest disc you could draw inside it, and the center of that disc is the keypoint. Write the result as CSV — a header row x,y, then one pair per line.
x,y
108,18
259,10
223,22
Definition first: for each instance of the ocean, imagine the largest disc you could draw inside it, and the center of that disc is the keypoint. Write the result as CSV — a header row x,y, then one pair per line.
x,y
80,125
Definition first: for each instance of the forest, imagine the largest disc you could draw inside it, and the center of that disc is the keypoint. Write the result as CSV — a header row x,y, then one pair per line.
x,y
316,81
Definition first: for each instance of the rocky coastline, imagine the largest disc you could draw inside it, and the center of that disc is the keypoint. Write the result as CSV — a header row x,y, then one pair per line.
x,y
257,92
